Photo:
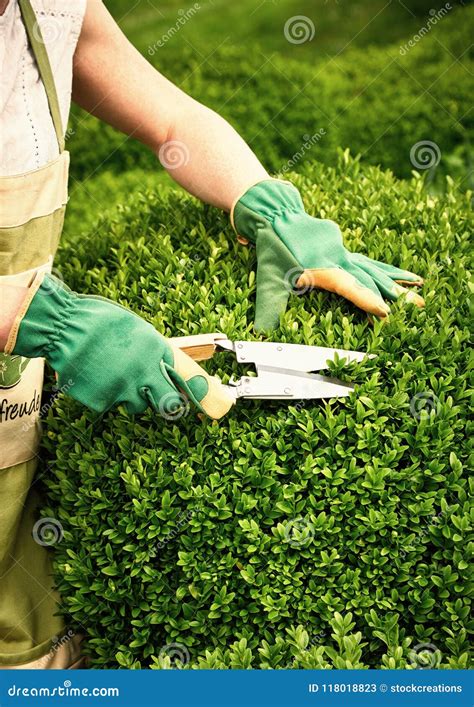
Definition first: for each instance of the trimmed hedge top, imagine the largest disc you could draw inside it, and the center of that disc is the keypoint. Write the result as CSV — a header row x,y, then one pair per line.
x,y
316,535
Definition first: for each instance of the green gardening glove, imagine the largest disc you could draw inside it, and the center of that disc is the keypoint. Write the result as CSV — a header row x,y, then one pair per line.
x,y
295,250
104,355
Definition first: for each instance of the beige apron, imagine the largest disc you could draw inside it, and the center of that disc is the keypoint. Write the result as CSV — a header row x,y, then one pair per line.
x,y
32,209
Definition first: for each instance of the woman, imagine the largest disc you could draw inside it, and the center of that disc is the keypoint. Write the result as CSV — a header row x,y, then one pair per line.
x,y
50,50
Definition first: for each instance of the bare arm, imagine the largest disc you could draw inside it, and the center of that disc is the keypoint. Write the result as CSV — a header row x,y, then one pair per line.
x,y
114,82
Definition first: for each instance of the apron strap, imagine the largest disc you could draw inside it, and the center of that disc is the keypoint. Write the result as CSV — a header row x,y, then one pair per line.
x,y
35,37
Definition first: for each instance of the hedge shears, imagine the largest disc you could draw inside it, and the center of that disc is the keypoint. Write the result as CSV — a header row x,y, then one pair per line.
x,y
283,371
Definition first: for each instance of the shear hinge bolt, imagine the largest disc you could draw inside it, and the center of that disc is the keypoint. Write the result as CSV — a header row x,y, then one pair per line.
x,y
287,391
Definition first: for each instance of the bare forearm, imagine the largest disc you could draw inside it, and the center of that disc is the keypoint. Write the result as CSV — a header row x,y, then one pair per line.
x,y
199,149
208,157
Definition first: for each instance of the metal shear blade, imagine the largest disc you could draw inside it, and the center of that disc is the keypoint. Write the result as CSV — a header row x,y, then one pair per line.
x,y
277,384
285,371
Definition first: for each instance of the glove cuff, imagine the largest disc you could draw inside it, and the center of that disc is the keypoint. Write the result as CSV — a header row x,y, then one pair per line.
x,y
42,317
261,203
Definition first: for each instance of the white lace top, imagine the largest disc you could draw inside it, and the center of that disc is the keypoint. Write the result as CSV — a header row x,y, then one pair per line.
x,y
27,137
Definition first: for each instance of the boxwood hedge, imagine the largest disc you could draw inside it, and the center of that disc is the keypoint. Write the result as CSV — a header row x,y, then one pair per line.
x,y
318,534
379,101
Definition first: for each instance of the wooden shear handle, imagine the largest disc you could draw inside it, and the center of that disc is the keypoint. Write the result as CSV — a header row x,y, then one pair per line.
x,y
200,347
